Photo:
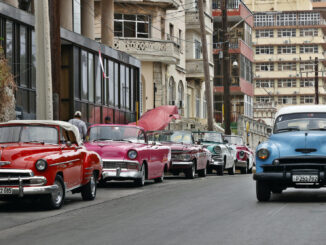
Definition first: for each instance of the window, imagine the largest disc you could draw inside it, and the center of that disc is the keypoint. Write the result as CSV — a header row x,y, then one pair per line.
x,y
307,66
265,84
198,103
264,20
122,86
9,42
307,82
264,33
263,99
287,100
128,25
111,82
307,99
288,66
23,59
309,18
197,49
286,33
83,71
77,16
265,50
245,69
116,84
91,84
286,19
309,49
287,83
286,49
265,67
309,32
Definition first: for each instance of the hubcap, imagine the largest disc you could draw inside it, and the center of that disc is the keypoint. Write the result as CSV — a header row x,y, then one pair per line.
x,y
143,176
193,170
162,177
58,194
93,186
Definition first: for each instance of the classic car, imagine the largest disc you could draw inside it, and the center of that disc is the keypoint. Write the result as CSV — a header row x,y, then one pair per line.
x,y
295,154
187,157
46,158
222,154
126,153
244,160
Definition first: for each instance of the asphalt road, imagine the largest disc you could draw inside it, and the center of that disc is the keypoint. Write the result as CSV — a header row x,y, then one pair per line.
x,y
212,210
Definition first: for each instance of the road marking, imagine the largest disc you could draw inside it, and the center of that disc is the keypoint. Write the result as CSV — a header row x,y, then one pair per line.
x,y
276,211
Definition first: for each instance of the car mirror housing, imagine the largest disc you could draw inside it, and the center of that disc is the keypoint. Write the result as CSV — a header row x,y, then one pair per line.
x,y
68,144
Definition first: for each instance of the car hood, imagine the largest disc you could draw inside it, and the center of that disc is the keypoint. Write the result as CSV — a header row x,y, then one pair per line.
x,y
22,155
300,143
112,149
176,148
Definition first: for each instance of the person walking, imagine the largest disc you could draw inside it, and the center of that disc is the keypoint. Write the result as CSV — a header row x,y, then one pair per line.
x,y
107,120
80,124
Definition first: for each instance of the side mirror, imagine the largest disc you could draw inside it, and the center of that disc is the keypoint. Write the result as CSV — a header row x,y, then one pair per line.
x,y
68,144
226,141
269,131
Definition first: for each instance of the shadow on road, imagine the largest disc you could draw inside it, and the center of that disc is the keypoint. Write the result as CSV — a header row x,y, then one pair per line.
x,y
303,196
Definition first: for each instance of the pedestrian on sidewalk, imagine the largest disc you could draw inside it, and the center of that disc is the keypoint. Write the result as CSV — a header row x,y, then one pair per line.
x,y
80,124
107,120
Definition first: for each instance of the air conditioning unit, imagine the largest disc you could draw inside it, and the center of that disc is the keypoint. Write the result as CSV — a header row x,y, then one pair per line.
x,y
294,58
298,75
290,75
286,41
295,92
270,59
280,59
306,42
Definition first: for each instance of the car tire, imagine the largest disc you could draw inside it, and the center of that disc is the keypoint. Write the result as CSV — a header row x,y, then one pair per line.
x,y
160,179
191,172
220,170
56,199
175,173
244,170
263,191
102,183
209,169
277,190
203,172
88,191
231,171
141,181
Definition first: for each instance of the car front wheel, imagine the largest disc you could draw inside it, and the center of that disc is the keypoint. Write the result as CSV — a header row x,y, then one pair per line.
x,y
141,181
231,171
263,191
191,172
56,199
160,179
88,191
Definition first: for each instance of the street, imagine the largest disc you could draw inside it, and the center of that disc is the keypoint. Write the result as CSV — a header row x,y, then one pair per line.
x,y
212,210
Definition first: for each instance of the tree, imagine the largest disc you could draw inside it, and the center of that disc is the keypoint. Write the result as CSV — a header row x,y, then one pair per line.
x,y
7,89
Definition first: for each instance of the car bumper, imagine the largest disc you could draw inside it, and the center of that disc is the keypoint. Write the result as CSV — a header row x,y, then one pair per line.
x,y
35,190
241,164
117,174
217,162
181,164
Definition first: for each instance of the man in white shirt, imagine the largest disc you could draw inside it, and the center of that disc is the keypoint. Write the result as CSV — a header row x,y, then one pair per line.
x,y
80,124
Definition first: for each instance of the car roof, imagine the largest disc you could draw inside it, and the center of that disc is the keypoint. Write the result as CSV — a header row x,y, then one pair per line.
x,y
116,125
301,109
64,125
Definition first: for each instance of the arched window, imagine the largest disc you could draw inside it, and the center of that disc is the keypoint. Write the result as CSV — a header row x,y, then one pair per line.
x,y
171,91
198,103
180,95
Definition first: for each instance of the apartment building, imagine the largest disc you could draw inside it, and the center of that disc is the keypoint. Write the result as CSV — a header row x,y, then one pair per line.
x,y
240,20
82,85
165,37
288,37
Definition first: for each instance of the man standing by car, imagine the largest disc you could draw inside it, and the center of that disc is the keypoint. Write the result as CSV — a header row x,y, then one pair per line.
x,y
80,124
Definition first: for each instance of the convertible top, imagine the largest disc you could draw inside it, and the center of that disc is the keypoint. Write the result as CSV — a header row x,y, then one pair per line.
x,y
301,109
65,125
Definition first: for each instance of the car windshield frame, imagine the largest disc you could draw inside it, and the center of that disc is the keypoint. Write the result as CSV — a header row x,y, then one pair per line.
x,y
117,134
228,137
154,138
202,134
303,121
19,135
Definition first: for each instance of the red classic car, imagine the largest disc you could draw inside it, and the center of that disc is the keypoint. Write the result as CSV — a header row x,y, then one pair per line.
x,y
46,158
187,157
244,158
126,153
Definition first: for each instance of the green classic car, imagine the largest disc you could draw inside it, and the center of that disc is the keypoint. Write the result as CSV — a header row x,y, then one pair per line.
x,y
222,154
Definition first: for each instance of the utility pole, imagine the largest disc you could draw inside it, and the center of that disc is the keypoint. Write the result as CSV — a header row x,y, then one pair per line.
x,y
316,82
54,6
226,69
44,103
208,90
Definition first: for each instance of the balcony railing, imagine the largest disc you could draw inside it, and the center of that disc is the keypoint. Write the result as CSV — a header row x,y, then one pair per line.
x,y
166,51
233,44
192,21
233,4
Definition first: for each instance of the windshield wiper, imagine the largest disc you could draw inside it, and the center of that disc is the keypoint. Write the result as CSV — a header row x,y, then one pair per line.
x,y
288,129
318,129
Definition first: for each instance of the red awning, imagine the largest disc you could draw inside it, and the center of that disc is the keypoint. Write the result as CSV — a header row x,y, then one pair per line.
x,y
158,118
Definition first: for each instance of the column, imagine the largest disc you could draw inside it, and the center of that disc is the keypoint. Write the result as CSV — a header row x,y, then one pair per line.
x,y
13,3
66,14
87,18
107,24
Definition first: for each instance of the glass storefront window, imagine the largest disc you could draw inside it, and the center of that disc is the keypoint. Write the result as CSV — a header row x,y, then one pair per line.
x,y
9,42
111,83
90,77
33,60
83,72
123,86
116,84
77,16
127,88
23,70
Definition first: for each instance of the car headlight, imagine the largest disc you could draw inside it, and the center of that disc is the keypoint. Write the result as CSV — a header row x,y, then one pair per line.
x,y
263,154
185,157
41,165
241,154
217,149
132,154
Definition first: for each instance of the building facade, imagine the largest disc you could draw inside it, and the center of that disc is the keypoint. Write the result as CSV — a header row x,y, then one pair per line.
x,y
289,45
240,20
83,85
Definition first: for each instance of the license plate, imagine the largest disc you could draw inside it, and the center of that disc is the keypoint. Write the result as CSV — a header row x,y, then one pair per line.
x,y
5,191
305,178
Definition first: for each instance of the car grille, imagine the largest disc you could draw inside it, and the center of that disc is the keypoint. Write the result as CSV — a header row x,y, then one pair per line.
x,y
303,163
114,165
10,177
217,157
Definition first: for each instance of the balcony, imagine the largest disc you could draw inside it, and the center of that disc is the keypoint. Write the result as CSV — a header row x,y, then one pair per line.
x,y
192,22
238,86
165,51
195,69
167,4
236,46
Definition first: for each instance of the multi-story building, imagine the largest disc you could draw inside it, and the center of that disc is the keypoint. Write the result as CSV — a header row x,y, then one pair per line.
x,y
164,36
288,36
82,85
240,20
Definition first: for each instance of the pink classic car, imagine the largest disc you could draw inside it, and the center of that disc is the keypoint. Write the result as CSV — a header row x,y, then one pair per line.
x,y
126,153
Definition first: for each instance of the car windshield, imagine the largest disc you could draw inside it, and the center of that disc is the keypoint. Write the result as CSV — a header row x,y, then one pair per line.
x,y
208,137
116,133
30,134
183,137
300,122
234,140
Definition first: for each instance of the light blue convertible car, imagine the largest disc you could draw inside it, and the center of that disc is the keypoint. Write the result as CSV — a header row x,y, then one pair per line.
x,y
295,154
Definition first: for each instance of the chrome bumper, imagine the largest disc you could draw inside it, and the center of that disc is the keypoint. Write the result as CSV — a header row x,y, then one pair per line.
x,y
241,164
120,174
180,165
217,162
37,190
